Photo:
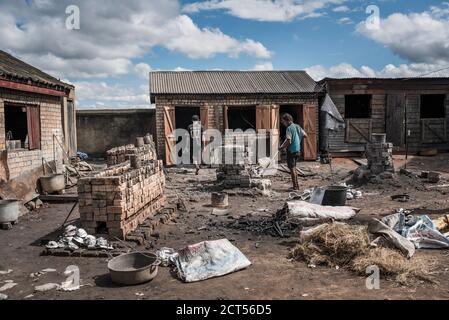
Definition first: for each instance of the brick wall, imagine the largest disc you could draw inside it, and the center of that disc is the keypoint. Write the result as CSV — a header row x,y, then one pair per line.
x,y
19,162
119,198
216,104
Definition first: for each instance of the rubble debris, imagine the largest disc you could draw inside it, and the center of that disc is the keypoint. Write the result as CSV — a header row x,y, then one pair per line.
x,y
47,287
3,296
3,272
442,223
118,199
348,246
9,284
166,256
209,259
433,177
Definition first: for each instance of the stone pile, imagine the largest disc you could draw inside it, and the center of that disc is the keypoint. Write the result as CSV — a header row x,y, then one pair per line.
x,y
121,154
234,168
115,201
379,154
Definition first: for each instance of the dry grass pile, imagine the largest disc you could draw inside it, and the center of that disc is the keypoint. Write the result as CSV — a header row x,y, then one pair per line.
x,y
348,246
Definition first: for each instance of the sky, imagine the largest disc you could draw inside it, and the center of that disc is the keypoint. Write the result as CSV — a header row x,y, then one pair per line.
x,y
109,57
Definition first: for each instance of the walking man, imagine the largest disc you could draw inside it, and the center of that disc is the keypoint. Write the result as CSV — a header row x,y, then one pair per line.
x,y
196,142
292,144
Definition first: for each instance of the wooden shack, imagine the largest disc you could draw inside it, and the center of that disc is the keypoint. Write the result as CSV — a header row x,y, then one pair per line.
x,y
413,112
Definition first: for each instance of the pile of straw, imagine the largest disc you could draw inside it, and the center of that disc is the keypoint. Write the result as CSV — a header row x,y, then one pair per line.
x,y
348,246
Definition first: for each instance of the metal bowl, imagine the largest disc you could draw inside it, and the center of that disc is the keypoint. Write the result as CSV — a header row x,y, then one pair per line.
x,y
52,183
9,211
133,268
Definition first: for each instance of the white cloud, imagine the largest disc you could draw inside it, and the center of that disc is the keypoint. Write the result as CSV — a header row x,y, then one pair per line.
x,y
110,35
341,9
263,66
345,20
93,94
142,70
346,70
205,43
416,37
265,10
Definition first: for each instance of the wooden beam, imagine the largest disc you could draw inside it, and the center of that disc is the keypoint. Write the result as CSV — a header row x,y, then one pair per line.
x,y
30,88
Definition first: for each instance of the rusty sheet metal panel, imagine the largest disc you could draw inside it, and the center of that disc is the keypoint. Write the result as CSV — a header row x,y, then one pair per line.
x,y
34,128
310,127
228,82
169,127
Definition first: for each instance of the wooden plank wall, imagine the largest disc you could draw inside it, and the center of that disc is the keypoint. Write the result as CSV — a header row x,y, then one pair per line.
x,y
418,140
339,141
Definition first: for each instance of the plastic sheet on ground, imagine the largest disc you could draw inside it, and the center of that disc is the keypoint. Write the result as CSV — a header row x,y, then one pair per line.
x,y
209,259
419,230
392,237
425,235
312,213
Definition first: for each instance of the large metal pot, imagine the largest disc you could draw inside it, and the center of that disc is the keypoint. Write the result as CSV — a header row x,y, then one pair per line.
x,y
52,183
9,211
133,268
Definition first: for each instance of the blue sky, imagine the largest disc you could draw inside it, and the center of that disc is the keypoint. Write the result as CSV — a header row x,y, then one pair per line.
x,y
119,42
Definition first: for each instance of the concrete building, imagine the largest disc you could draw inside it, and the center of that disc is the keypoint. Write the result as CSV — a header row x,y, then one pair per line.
x,y
234,100
411,111
112,128
37,122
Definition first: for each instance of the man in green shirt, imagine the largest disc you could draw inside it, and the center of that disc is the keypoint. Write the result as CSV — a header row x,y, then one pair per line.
x,y
292,144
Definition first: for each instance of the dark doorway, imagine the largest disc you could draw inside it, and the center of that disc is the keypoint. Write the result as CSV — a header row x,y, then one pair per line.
x,y
183,118
395,119
296,111
243,118
358,106
16,125
432,106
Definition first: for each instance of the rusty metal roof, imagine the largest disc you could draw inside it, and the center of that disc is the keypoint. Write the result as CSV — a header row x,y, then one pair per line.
x,y
14,69
231,82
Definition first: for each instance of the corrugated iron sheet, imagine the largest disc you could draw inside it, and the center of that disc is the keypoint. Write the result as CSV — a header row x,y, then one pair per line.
x,y
229,82
15,69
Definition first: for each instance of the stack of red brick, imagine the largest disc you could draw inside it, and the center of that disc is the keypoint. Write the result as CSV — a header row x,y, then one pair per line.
x,y
122,154
120,198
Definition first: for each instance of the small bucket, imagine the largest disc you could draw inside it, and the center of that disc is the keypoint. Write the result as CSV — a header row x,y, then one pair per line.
x,y
335,196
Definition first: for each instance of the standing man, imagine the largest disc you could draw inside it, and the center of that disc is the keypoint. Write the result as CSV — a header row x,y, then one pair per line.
x,y
292,144
196,142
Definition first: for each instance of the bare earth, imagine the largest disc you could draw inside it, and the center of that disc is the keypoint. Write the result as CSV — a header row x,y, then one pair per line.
x,y
271,276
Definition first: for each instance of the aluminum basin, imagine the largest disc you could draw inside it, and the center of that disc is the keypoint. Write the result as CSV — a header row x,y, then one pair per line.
x,y
133,268
52,183
9,211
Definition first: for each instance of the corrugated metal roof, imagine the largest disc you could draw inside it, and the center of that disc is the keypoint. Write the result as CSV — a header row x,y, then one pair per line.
x,y
14,69
231,82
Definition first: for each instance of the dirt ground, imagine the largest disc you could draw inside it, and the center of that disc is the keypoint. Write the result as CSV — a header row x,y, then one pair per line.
x,y
271,275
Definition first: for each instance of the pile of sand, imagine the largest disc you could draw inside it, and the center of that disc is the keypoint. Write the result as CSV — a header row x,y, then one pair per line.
x,y
348,246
